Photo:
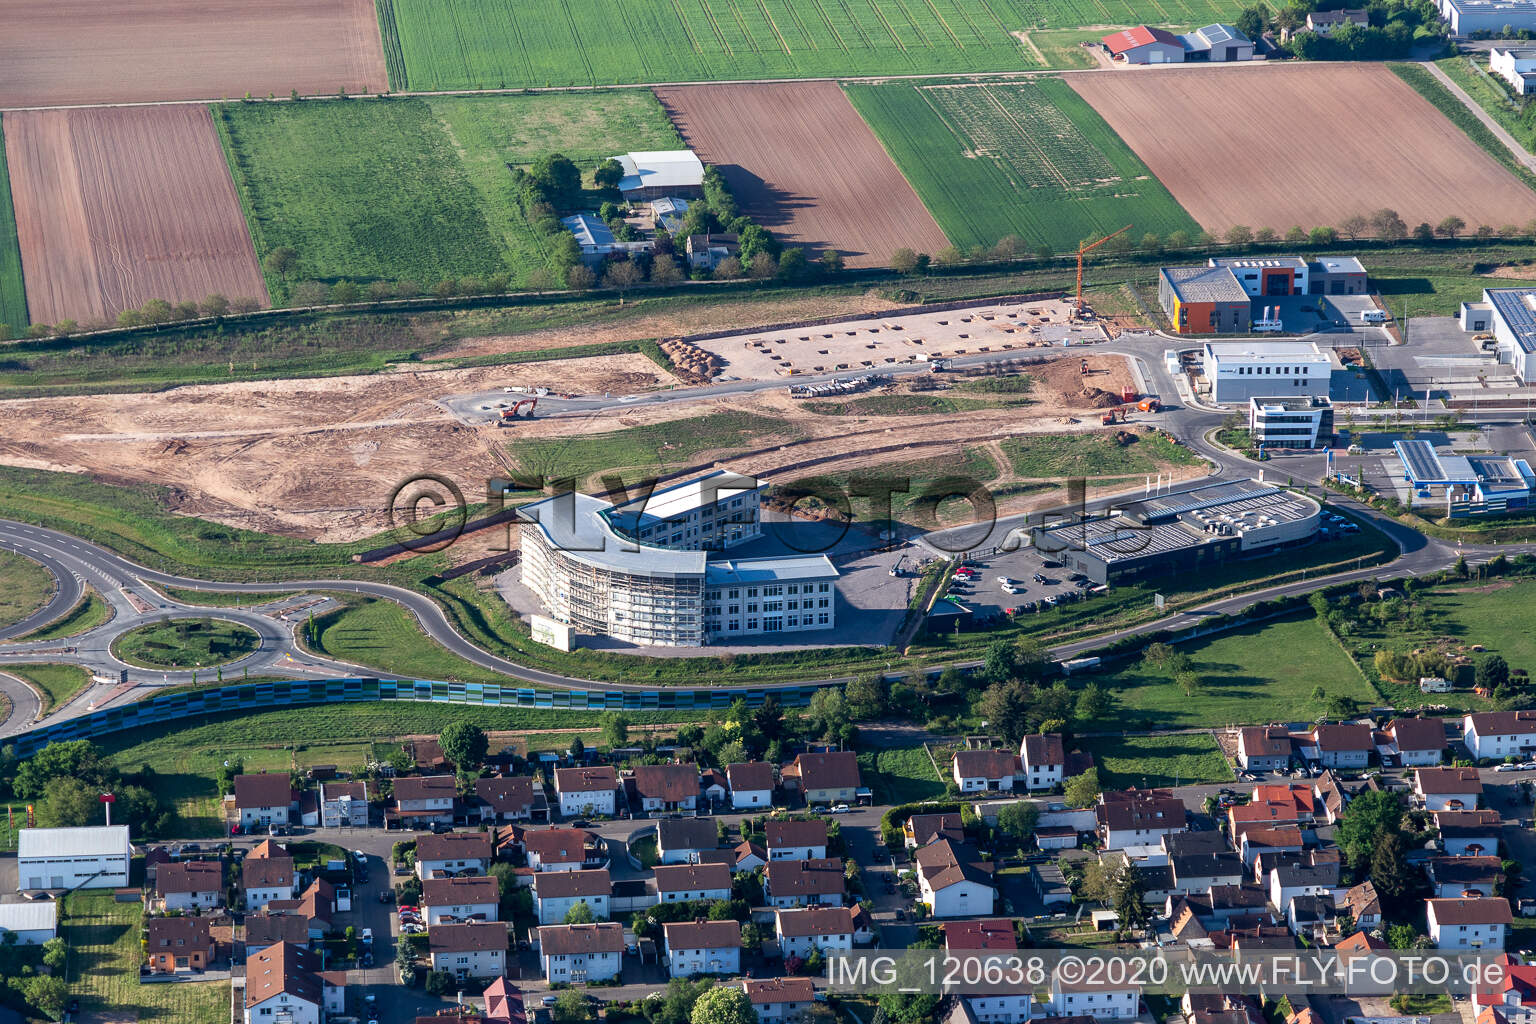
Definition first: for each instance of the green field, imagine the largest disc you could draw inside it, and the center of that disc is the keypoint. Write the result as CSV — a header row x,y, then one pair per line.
x,y
105,950
383,635
1027,158
648,448
900,775
58,684
13,290
219,598
1260,673
25,587
186,643
1490,94
1180,759
1093,455
90,612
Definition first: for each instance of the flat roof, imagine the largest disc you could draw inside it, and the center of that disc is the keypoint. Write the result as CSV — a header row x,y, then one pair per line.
x,y
1204,284
32,916
749,571
1425,466
574,524
1483,6
1295,351
1259,262
1338,264
588,228
1517,308
85,841
679,499
664,168
1290,403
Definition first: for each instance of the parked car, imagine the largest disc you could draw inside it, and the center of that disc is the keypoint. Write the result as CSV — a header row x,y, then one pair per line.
x,y
840,809
367,936
413,928
1506,768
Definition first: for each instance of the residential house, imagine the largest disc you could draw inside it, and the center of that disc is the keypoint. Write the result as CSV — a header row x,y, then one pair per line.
x,y
1362,904
452,900
922,829
1099,1001
748,856
1417,742
263,930
1495,735
707,251
344,804
1331,798
751,785
453,854
796,840
1510,1001
477,949
556,892
779,1000
32,923
315,907
800,932
1468,833
667,787
503,1005
1264,748
1344,748
1043,760
831,778
805,883
178,944
585,792
1359,944
714,786
505,798
989,935
1289,880
985,771
1447,789
190,885
1476,922
1138,817
284,983
1326,23
679,883
421,800
1311,916
573,953
263,800
954,880
562,849
1450,877
685,840
702,947
267,874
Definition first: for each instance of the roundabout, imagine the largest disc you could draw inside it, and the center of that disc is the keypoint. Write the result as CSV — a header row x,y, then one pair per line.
x,y
186,643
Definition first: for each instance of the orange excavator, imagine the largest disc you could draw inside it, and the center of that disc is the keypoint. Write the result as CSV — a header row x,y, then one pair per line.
x,y
509,417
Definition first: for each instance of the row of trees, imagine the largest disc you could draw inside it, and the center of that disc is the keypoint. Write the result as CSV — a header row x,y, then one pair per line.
x,y
65,781
1391,30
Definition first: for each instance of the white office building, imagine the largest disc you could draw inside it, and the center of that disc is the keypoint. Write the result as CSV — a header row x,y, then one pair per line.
x,y
1464,17
92,857
1510,314
1516,65
1237,371
642,572
1290,422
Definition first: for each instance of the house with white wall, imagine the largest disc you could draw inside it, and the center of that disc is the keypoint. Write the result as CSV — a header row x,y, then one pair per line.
x,y
423,800
1447,789
575,953
264,800
985,771
1476,922
453,854
585,792
476,949
1043,760
190,885
702,947
1495,735
556,892
751,784
801,932
954,880
680,883
796,840
779,1000
454,900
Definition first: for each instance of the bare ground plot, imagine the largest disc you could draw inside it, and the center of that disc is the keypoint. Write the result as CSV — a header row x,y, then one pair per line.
x,y
1367,141
116,206
315,458
86,51
803,163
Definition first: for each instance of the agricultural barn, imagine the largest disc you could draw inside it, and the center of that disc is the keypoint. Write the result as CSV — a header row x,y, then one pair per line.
x,y
1510,313
596,241
1465,17
1217,43
1515,66
1204,300
662,173
1144,45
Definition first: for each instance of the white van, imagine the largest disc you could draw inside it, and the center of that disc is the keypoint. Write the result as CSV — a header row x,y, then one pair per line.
x,y
1373,316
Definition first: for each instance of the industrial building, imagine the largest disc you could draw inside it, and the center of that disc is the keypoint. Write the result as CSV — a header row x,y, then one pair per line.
x,y
89,857
1510,314
1464,17
1217,44
1472,485
1290,422
659,174
1144,45
651,571
1238,371
1516,65
1204,300
1182,532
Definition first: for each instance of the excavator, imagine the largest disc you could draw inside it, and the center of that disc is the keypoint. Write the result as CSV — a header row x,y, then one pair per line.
x,y
509,417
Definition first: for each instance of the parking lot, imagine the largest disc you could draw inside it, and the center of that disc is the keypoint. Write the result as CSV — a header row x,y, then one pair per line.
x,y
983,593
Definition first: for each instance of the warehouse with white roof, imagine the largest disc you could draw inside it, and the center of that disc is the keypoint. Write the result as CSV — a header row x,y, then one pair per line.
x,y
91,857
659,174
33,923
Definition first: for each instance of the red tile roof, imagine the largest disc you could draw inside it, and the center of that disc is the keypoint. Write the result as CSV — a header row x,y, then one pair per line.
x,y
269,789
1141,35
670,782
992,933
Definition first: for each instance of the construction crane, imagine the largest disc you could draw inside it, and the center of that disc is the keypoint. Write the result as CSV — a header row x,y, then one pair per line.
x,y
1083,250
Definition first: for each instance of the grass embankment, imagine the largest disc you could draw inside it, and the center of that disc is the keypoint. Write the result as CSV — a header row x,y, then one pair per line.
x,y
1490,94
56,684
186,643
105,951
219,598
186,755
964,396
900,775
969,151
1456,111
88,613
1058,456
382,635
25,586
13,289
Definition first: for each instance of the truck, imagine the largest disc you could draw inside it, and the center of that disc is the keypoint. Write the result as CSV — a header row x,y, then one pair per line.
x,y
1373,316
1080,665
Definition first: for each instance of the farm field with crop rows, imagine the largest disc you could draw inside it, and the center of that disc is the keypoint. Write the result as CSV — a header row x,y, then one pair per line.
x,y
13,290
470,44
1025,158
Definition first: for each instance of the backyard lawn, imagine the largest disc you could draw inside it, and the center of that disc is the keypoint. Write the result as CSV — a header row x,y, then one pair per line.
x,y
1177,759
900,775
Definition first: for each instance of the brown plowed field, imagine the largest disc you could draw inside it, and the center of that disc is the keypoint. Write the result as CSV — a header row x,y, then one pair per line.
x,y
1308,144
116,206
90,51
803,164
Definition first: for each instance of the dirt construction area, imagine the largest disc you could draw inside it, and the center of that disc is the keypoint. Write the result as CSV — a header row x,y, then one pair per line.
x,y
894,340
1369,141
86,51
116,206
802,163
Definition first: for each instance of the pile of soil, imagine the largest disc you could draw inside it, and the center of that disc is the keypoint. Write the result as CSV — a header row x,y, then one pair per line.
x,y
693,364
1098,398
